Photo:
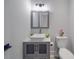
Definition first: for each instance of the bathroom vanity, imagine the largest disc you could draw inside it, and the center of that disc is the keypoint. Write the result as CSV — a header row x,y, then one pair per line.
x,y
38,45
36,48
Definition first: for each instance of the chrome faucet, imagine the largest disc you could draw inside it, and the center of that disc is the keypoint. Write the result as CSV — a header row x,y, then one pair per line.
x,y
40,30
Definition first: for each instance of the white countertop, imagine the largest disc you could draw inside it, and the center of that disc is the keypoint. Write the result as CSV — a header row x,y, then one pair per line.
x,y
37,40
41,36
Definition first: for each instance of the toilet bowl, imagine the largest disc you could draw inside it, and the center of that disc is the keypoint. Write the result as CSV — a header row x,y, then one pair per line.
x,y
65,54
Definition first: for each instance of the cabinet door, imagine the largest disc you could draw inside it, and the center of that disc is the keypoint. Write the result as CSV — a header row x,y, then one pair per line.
x,y
42,48
30,49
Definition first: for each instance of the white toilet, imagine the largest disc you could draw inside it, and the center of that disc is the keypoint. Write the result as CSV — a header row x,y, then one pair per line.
x,y
63,52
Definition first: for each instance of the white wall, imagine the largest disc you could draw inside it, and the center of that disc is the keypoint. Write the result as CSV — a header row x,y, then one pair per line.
x,y
63,17
17,23
71,26
6,28
17,26
59,17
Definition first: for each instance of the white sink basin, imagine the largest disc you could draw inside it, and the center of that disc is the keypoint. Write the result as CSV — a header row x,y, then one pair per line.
x,y
38,36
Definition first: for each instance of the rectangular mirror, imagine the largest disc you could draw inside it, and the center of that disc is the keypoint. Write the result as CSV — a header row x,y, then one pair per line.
x,y
39,19
35,19
44,22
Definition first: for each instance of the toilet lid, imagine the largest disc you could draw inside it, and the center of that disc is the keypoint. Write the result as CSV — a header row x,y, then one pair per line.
x,y
65,54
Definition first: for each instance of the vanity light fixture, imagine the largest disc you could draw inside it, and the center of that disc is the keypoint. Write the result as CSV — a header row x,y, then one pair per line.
x,y
40,4
40,7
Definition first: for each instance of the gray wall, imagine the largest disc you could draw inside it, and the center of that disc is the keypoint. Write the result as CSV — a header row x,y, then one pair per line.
x,y
17,23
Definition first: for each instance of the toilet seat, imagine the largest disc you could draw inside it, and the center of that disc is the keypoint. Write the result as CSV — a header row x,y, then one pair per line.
x,y
65,54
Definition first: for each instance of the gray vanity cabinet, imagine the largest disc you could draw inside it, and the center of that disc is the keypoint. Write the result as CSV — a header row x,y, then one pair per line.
x,y
36,50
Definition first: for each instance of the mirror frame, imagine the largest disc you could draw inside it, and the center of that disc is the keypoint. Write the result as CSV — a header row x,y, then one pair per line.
x,y
39,20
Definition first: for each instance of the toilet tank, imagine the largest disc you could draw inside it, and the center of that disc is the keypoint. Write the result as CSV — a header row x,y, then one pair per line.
x,y
61,41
